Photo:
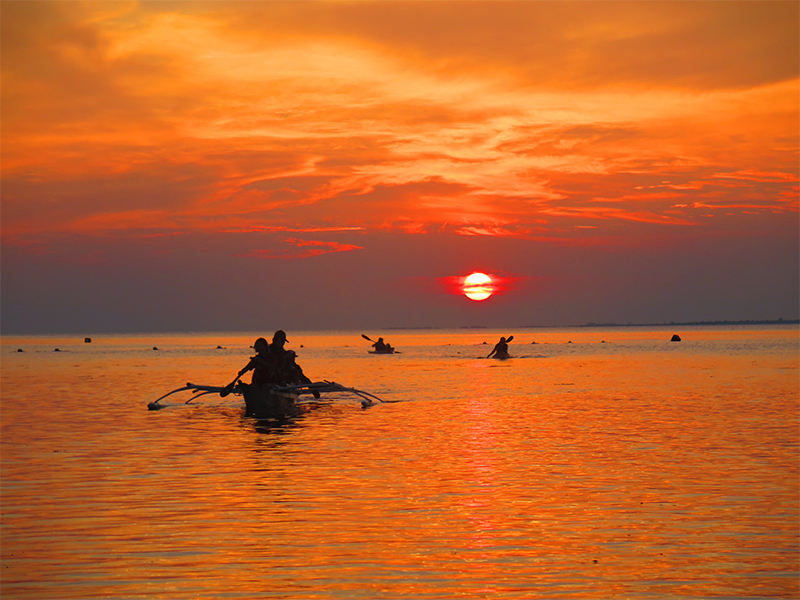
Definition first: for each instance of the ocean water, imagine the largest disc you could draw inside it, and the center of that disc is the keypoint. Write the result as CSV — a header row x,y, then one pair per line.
x,y
595,463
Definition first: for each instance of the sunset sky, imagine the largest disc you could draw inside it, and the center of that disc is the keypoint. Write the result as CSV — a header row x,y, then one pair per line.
x,y
209,166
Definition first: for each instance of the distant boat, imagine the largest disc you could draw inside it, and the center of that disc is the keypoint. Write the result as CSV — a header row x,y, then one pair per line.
x,y
380,346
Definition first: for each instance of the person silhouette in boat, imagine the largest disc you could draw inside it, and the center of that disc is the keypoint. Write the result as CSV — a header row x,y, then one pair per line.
x,y
382,347
501,349
283,357
264,365
289,372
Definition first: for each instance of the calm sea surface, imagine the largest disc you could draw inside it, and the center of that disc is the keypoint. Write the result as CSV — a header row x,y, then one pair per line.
x,y
596,463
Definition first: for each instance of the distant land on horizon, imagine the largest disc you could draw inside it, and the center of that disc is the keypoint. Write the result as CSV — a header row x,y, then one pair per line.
x,y
592,324
687,323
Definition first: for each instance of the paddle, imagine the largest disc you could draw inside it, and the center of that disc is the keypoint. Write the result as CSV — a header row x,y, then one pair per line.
x,y
366,338
229,388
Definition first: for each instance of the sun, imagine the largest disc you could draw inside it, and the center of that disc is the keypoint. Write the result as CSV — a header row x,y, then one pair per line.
x,y
478,286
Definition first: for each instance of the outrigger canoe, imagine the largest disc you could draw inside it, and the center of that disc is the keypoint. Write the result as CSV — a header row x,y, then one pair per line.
x,y
279,401
271,401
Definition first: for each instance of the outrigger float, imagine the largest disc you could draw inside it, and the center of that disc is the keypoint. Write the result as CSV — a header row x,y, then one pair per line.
x,y
274,401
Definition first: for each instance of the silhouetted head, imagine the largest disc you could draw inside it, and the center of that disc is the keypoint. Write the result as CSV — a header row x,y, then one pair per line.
x,y
279,337
261,345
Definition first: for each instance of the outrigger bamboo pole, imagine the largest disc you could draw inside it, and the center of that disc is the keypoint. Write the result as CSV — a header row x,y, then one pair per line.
x,y
300,388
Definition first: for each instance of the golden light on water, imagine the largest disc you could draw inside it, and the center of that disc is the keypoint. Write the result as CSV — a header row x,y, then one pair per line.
x,y
574,456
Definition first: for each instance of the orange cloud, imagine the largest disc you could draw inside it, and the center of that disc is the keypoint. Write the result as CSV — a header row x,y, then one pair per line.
x,y
209,116
752,175
311,248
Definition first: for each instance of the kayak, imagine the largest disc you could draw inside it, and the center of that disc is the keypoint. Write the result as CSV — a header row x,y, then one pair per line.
x,y
389,351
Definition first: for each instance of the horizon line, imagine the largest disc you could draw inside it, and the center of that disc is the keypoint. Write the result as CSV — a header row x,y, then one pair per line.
x,y
779,321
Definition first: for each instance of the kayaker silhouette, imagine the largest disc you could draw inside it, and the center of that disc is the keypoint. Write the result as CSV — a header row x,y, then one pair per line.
x,y
501,348
382,347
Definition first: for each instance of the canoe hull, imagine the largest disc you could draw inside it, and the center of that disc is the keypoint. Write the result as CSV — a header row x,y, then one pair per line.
x,y
266,402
